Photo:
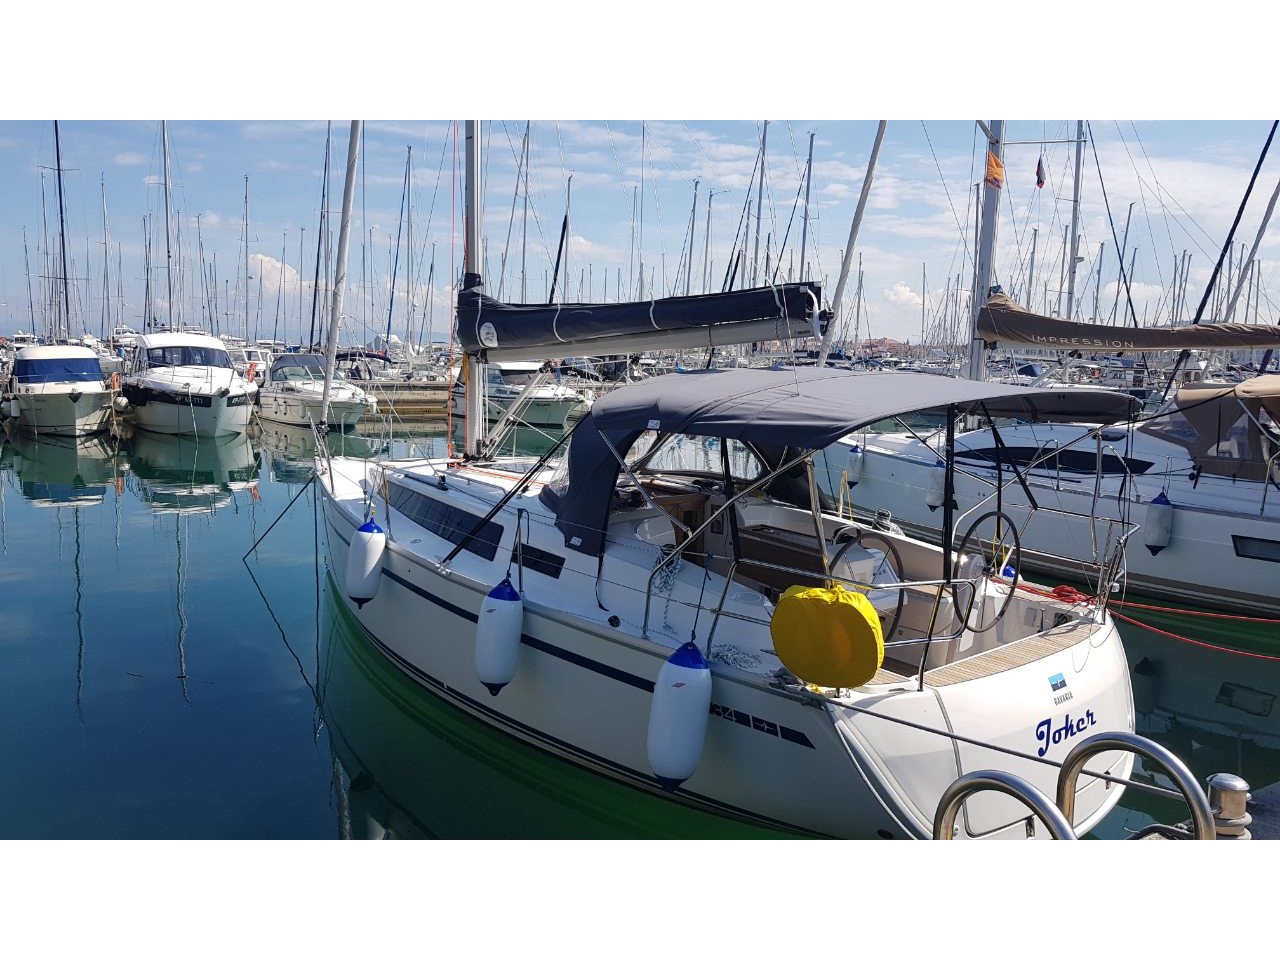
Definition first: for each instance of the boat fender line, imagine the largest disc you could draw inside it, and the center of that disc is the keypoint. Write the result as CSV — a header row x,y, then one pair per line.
x,y
1159,525
853,466
828,636
678,716
364,562
498,630
936,491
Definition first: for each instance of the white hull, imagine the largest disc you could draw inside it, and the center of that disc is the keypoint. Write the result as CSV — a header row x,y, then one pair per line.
x,y
300,407
773,755
63,410
1200,565
187,419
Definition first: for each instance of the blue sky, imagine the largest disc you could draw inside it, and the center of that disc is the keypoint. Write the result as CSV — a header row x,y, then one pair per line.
x,y
1184,178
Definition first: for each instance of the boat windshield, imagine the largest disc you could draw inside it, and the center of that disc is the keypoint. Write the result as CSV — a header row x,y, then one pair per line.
x,y
301,367
188,356
676,453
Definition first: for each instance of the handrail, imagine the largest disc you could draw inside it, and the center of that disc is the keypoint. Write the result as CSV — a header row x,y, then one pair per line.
x,y
1201,812
944,821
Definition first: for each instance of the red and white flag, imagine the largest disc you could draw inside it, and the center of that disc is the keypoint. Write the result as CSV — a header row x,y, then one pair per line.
x,y
1040,177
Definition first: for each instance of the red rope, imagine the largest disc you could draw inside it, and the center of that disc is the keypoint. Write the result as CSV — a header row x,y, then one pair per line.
x,y
1069,594
1194,643
1193,613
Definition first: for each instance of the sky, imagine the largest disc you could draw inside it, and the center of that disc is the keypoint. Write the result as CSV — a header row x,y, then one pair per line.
x,y
628,185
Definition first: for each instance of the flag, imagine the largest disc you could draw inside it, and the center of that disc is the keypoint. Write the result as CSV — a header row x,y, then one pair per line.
x,y
1040,177
995,171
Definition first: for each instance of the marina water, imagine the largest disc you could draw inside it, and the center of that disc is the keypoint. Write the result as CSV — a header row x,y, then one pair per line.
x,y
174,663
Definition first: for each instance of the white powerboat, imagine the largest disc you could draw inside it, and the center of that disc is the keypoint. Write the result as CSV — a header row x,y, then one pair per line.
x,y
184,383
529,392
59,390
294,394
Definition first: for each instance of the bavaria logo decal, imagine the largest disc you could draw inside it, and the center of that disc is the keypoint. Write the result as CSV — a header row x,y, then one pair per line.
x,y
1057,682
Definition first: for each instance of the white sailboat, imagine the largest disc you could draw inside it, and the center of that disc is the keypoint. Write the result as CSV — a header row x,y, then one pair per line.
x,y
1201,475
640,607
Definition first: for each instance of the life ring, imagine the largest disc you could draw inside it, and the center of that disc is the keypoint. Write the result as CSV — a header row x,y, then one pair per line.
x,y
115,381
251,371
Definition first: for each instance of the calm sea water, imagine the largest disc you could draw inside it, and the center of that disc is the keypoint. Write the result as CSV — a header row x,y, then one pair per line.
x,y
174,664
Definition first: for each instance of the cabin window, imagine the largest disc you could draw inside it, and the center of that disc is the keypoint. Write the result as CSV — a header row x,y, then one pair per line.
x,y
1256,548
447,522
1072,460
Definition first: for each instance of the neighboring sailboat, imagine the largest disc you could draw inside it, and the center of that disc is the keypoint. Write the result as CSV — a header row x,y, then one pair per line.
x,y
673,605
1201,474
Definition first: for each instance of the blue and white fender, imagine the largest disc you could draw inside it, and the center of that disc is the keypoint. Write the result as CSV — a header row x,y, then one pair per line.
x,y
364,562
853,466
678,716
498,630
1159,525
936,492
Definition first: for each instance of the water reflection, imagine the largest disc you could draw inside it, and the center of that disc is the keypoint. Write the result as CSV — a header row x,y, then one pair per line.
x,y
65,471
178,473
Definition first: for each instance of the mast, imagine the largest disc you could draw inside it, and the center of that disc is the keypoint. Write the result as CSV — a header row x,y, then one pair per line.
x,y
1244,267
706,247
168,249
688,276
1031,270
474,416
324,214
62,241
986,250
1075,221
340,273
246,258
106,262
848,250
524,223
755,252
804,226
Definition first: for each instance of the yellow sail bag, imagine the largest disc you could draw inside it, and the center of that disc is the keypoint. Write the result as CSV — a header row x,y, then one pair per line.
x,y
828,636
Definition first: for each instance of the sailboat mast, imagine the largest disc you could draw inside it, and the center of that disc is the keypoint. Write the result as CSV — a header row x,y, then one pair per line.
x,y
168,249
755,251
474,422
693,211
106,263
848,250
986,251
804,226
1244,268
324,215
246,256
1075,221
340,270
64,319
